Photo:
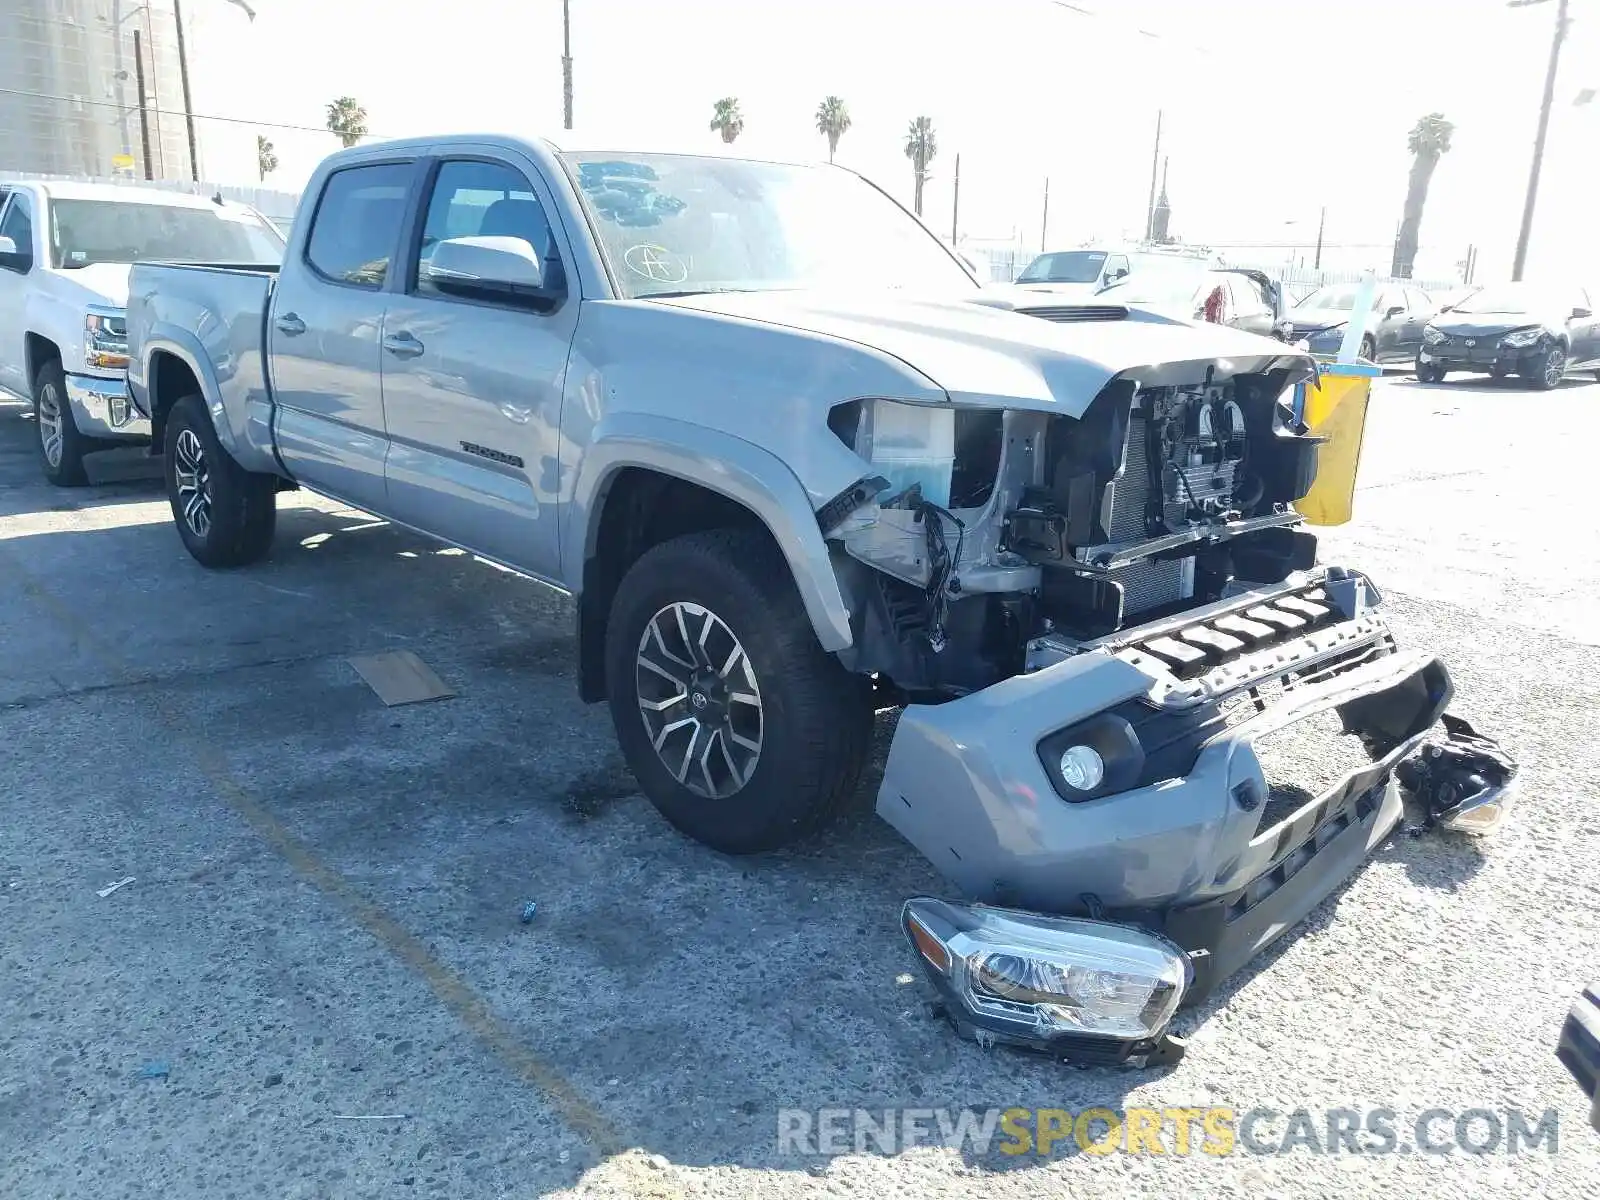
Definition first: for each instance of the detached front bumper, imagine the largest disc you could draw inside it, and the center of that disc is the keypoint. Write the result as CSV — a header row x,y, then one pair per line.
x,y
102,408
1211,858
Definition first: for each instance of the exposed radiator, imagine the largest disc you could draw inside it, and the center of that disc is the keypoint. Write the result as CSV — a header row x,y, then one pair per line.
x,y
1148,584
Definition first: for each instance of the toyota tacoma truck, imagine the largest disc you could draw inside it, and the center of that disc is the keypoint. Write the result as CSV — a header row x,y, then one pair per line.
x,y
65,250
796,466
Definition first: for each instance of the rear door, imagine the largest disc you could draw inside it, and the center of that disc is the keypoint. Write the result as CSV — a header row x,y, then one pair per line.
x,y
325,328
472,386
1251,309
1419,311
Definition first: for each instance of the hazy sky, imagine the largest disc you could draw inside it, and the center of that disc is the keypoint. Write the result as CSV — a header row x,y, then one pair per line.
x,y
1274,108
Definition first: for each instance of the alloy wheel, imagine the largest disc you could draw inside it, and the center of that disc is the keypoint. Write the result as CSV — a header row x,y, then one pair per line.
x,y
49,417
700,700
1555,366
193,476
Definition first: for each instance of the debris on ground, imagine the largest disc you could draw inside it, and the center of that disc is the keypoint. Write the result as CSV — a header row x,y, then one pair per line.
x,y
370,1116
112,887
155,1070
528,910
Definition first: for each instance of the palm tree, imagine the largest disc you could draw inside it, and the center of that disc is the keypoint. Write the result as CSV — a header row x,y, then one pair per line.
x,y
266,157
347,120
726,119
1429,138
833,119
921,148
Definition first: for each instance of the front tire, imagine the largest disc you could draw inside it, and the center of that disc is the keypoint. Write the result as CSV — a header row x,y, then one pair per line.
x,y
1548,369
225,515
1369,350
61,446
741,730
1429,372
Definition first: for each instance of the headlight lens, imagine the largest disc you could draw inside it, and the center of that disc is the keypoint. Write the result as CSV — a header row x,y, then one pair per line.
x,y
1521,339
1432,336
105,339
1032,978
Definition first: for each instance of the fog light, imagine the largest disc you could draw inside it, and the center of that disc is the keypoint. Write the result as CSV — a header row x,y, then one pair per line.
x,y
1082,768
1049,982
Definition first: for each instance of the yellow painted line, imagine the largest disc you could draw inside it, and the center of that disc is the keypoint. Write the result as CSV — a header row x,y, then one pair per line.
x,y
471,1009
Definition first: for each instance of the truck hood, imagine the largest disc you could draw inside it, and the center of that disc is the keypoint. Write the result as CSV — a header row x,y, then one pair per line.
x,y
981,353
98,283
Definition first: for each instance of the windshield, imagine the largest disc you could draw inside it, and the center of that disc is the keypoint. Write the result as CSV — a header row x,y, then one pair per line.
x,y
1510,300
676,224
1159,283
114,231
1338,297
1068,266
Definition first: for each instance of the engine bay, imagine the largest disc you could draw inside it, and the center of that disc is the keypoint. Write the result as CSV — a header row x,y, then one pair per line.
x,y
990,528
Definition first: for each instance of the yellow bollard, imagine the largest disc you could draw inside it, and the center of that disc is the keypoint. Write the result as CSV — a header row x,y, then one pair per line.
x,y
1335,407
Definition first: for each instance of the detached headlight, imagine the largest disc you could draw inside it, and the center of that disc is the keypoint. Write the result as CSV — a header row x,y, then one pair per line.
x,y
1433,337
1521,339
1090,989
105,339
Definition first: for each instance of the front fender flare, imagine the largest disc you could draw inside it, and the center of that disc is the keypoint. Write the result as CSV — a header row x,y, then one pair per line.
x,y
731,466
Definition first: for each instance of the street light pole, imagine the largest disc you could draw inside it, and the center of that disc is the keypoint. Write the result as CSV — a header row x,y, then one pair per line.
x,y
1532,199
566,62
188,103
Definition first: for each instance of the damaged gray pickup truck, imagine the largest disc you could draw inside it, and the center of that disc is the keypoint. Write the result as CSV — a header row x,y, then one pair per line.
x,y
797,466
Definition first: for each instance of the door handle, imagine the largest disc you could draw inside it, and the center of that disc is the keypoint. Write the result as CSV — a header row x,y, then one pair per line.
x,y
402,345
290,325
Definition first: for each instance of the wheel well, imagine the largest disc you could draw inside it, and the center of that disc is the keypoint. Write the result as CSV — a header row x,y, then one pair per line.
x,y
170,379
38,350
639,509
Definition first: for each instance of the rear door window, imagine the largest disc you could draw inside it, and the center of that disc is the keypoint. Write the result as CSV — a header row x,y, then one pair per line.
x,y
357,224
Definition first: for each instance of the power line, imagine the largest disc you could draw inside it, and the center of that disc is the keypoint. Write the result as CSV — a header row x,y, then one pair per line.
x,y
167,112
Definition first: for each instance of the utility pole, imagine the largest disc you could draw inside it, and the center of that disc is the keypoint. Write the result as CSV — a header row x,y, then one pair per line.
x,y
566,62
144,111
1044,221
1532,199
1155,166
955,205
1322,223
188,103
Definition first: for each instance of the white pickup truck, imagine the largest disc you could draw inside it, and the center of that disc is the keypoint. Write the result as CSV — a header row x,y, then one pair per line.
x,y
65,253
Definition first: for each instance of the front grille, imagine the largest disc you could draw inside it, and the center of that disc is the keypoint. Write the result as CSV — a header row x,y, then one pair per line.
x,y
1076,312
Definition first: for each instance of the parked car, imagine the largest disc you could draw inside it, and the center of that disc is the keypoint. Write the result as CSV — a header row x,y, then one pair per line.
x,y
1530,330
1236,296
1083,274
65,250
1393,328
794,462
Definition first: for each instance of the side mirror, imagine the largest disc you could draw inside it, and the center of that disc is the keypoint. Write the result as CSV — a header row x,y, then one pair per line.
x,y
1395,310
489,268
1580,313
13,259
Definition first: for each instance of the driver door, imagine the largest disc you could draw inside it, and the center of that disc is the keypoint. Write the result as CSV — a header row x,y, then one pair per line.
x,y
472,387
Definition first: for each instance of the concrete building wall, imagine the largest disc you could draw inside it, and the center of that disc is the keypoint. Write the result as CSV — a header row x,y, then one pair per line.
x,y
69,93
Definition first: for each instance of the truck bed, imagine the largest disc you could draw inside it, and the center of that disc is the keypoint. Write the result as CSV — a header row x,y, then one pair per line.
x,y
213,318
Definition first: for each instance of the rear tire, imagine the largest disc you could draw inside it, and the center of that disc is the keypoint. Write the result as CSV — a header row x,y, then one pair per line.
x,y
61,446
741,730
225,515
